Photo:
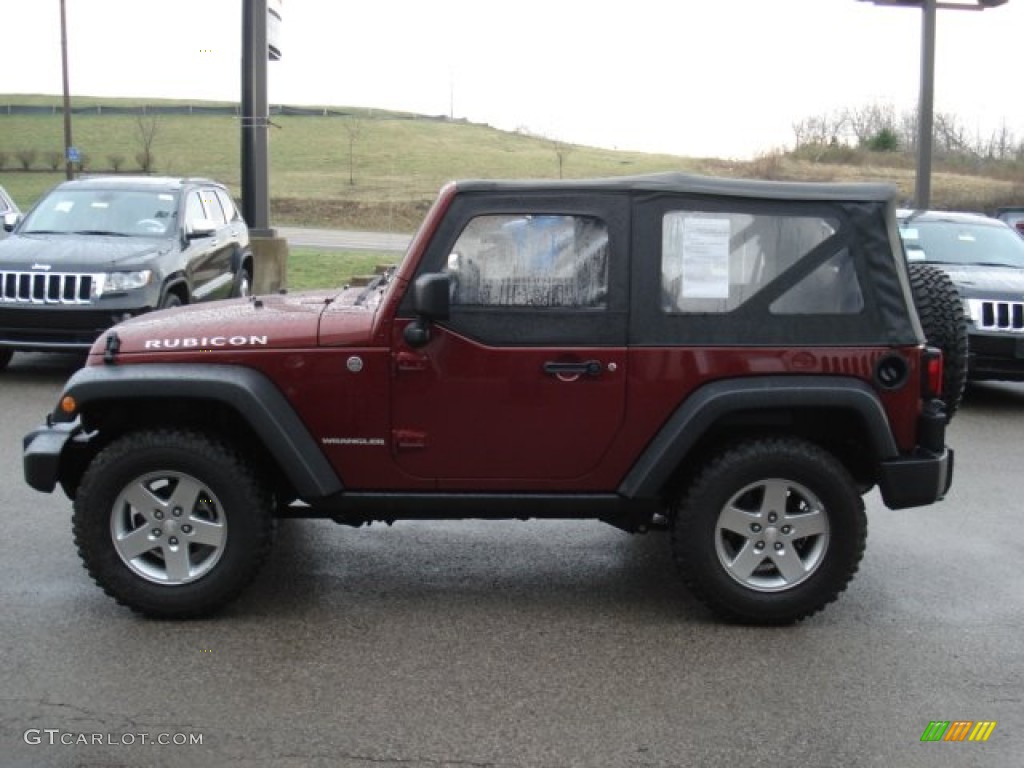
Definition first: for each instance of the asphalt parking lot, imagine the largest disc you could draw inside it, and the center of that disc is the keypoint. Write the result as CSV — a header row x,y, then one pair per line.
x,y
516,645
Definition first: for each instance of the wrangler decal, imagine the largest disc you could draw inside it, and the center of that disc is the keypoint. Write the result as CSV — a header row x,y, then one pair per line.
x,y
353,441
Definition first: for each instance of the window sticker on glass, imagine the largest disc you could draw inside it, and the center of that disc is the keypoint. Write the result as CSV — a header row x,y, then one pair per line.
x,y
99,204
705,256
64,206
909,234
165,196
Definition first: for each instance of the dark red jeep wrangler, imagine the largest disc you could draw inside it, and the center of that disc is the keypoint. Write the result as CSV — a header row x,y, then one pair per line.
x,y
735,361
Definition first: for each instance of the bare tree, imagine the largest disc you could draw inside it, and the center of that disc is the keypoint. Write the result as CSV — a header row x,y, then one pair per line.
x,y
869,122
54,159
146,127
26,157
819,130
907,130
116,161
1001,144
562,151
950,135
353,127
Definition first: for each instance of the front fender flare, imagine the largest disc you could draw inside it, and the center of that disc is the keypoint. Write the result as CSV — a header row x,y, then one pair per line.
x,y
246,391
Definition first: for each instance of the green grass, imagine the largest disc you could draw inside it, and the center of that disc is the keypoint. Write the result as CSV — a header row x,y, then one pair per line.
x,y
399,161
309,268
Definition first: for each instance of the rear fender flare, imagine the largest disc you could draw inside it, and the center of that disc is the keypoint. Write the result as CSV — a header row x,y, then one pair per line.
x,y
710,403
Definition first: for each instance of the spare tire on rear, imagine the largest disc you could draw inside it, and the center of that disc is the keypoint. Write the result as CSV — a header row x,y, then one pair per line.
x,y
941,311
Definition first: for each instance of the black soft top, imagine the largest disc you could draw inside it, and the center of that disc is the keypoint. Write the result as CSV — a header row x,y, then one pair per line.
x,y
696,185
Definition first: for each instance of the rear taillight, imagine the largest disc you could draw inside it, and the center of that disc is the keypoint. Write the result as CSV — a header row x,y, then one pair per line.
x,y
932,372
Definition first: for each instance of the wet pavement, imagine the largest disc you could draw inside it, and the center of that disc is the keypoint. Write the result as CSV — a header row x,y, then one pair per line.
x,y
519,645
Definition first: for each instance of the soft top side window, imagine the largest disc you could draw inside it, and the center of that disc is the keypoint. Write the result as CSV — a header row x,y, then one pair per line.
x,y
535,261
716,261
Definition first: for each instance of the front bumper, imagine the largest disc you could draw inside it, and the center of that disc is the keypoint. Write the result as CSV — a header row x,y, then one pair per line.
x,y
54,328
997,356
42,450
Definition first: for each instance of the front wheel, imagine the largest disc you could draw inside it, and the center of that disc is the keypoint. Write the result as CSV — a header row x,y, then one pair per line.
x,y
170,301
770,531
173,524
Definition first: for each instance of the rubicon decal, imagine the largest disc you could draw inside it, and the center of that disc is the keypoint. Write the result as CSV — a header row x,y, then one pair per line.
x,y
207,342
958,730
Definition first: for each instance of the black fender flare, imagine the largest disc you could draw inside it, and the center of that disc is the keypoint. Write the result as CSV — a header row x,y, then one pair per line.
x,y
239,256
246,391
172,282
691,420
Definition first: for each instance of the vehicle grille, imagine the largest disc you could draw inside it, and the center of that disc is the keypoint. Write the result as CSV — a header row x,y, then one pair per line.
x,y
999,315
46,288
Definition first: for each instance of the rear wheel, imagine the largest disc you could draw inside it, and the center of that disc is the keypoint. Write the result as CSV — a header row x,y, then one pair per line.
x,y
171,523
770,531
941,312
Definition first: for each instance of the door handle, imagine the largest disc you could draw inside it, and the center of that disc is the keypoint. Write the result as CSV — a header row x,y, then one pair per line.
x,y
572,371
405,361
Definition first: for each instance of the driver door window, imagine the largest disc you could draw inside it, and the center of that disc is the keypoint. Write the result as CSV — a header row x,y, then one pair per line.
x,y
531,261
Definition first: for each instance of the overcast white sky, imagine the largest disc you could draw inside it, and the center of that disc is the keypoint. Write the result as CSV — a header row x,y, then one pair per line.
x,y
723,78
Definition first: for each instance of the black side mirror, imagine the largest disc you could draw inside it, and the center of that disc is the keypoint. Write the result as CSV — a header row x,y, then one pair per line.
x,y
200,228
431,299
11,220
431,296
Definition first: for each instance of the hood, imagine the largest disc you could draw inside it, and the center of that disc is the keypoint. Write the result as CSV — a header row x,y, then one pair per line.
x,y
264,322
986,282
78,252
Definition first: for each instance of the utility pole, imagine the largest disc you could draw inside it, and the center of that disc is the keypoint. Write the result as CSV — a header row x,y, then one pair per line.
x,y
68,168
926,105
270,252
255,119
926,108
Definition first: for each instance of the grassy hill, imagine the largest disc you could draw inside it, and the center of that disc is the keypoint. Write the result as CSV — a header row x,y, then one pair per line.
x,y
398,161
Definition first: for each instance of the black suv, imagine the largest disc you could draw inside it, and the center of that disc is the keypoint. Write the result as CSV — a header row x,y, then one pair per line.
x,y
96,251
985,259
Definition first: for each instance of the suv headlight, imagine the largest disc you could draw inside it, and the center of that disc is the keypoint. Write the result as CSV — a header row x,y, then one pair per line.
x,y
117,282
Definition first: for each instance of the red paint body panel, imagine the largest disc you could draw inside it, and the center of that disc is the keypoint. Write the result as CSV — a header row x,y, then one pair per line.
x,y
458,415
492,419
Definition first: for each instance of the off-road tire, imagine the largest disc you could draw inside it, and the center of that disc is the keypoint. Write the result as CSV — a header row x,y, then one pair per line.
x,y
172,483
809,491
5,358
941,311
